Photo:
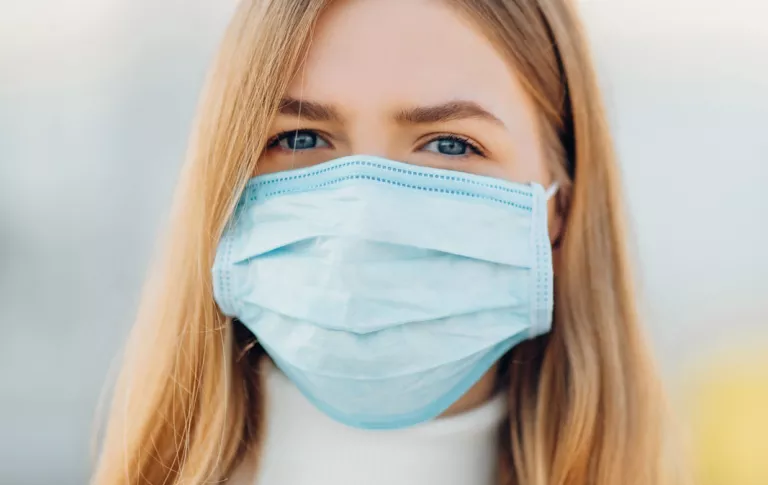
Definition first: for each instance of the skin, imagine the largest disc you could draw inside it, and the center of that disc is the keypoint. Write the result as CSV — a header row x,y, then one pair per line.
x,y
413,81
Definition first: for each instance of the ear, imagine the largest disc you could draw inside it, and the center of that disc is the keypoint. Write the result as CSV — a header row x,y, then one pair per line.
x,y
555,220
556,215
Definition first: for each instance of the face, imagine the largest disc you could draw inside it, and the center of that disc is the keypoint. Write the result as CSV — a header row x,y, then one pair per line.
x,y
408,80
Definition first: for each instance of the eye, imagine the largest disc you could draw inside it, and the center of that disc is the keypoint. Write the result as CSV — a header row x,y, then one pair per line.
x,y
298,140
452,146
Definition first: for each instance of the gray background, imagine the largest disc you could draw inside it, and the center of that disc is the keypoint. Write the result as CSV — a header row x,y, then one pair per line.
x,y
96,100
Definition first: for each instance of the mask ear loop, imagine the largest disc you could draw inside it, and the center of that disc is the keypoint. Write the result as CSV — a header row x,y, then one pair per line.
x,y
549,193
552,190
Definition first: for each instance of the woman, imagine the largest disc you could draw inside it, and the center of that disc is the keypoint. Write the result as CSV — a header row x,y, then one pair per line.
x,y
406,213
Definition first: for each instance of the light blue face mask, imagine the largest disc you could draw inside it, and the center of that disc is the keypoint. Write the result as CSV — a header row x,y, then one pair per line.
x,y
384,290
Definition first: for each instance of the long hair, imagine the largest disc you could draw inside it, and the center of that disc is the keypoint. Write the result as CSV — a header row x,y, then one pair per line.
x,y
584,400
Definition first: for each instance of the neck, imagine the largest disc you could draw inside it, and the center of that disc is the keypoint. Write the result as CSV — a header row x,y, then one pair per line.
x,y
303,446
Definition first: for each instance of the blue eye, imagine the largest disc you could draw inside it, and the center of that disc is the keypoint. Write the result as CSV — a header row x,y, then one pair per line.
x,y
299,140
452,146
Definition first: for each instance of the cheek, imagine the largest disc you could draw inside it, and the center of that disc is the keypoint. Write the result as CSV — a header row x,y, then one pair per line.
x,y
527,160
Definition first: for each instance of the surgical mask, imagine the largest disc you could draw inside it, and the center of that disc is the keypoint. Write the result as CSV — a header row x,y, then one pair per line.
x,y
385,290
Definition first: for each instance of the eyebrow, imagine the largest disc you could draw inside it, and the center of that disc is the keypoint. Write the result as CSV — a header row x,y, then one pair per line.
x,y
308,110
440,113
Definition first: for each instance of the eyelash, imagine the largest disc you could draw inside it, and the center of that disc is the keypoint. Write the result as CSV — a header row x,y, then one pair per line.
x,y
474,147
275,140
448,136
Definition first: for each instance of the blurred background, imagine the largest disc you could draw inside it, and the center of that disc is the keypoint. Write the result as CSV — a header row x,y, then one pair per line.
x,y
96,102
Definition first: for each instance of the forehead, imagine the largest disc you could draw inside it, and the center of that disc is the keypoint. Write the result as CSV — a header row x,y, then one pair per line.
x,y
368,54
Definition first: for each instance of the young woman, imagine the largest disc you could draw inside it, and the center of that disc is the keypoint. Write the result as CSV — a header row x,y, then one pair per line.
x,y
397,256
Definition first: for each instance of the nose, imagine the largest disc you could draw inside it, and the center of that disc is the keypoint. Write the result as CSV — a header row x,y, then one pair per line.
x,y
369,135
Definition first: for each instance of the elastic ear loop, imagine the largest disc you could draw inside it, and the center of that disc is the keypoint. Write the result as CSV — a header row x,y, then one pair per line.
x,y
549,193
552,190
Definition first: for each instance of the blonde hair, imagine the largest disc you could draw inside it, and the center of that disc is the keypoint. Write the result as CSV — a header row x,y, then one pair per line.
x,y
584,401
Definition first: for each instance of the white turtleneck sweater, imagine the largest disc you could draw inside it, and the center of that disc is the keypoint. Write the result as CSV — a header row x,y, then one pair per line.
x,y
305,447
